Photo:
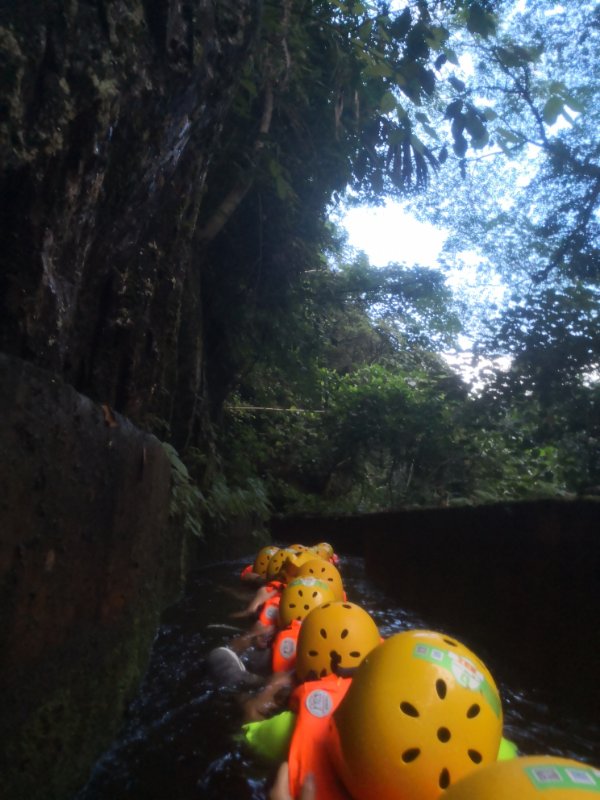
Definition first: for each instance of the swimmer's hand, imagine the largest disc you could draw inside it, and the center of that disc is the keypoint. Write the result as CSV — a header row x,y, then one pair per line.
x,y
240,614
281,787
269,700
259,598
252,576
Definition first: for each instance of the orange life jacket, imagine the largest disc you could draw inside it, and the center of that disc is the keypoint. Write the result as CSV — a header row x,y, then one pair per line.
x,y
269,613
283,652
246,571
274,586
314,702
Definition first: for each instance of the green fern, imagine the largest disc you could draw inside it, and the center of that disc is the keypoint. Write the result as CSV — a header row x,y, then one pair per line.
x,y
187,501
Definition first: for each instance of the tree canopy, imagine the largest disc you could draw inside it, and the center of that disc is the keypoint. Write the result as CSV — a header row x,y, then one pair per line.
x,y
326,380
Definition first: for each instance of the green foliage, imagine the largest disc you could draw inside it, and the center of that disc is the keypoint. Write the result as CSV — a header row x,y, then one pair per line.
x,y
397,435
335,92
187,501
220,502
325,386
226,502
553,326
348,407
533,220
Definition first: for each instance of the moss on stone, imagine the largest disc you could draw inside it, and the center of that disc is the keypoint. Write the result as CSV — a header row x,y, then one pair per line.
x,y
50,755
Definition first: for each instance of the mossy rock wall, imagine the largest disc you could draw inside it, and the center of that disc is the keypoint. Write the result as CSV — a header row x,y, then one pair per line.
x,y
112,111
88,560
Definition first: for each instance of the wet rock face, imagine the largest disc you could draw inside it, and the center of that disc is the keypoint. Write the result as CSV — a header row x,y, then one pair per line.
x,y
112,111
87,562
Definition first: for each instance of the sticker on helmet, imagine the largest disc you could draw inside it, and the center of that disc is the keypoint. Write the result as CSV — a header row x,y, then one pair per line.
x,y
319,703
465,672
272,611
463,669
555,776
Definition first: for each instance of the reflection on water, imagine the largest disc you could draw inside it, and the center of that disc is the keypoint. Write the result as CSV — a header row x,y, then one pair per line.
x,y
179,739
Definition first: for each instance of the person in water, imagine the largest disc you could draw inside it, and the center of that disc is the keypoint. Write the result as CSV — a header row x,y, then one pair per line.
x,y
257,571
318,582
422,711
224,663
333,640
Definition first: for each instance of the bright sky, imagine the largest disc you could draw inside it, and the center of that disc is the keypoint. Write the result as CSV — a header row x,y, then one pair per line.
x,y
388,234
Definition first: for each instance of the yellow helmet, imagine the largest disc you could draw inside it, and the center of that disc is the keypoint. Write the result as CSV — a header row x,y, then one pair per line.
x,y
324,571
293,562
297,548
262,559
325,548
334,638
422,712
300,596
277,561
529,778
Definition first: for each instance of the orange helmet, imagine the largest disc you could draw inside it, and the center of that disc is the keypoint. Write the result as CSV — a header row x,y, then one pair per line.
x,y
529,778
422,712
324,571
300,596
334,638
262,559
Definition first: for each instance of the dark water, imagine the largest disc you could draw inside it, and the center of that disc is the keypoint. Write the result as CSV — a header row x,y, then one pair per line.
x,y
179,738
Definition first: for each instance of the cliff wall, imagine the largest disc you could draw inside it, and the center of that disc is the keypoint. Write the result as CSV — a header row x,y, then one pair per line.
x,y
88,561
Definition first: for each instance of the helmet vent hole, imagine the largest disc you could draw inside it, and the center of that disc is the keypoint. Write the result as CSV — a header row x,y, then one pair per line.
x,y
473,711
292,605
451,642
313,653
408,709
326,605
300,592
323,633
443,734
410,755
355,654
444,781
314,594
475,756
306,606
344,633
441,688
345,605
